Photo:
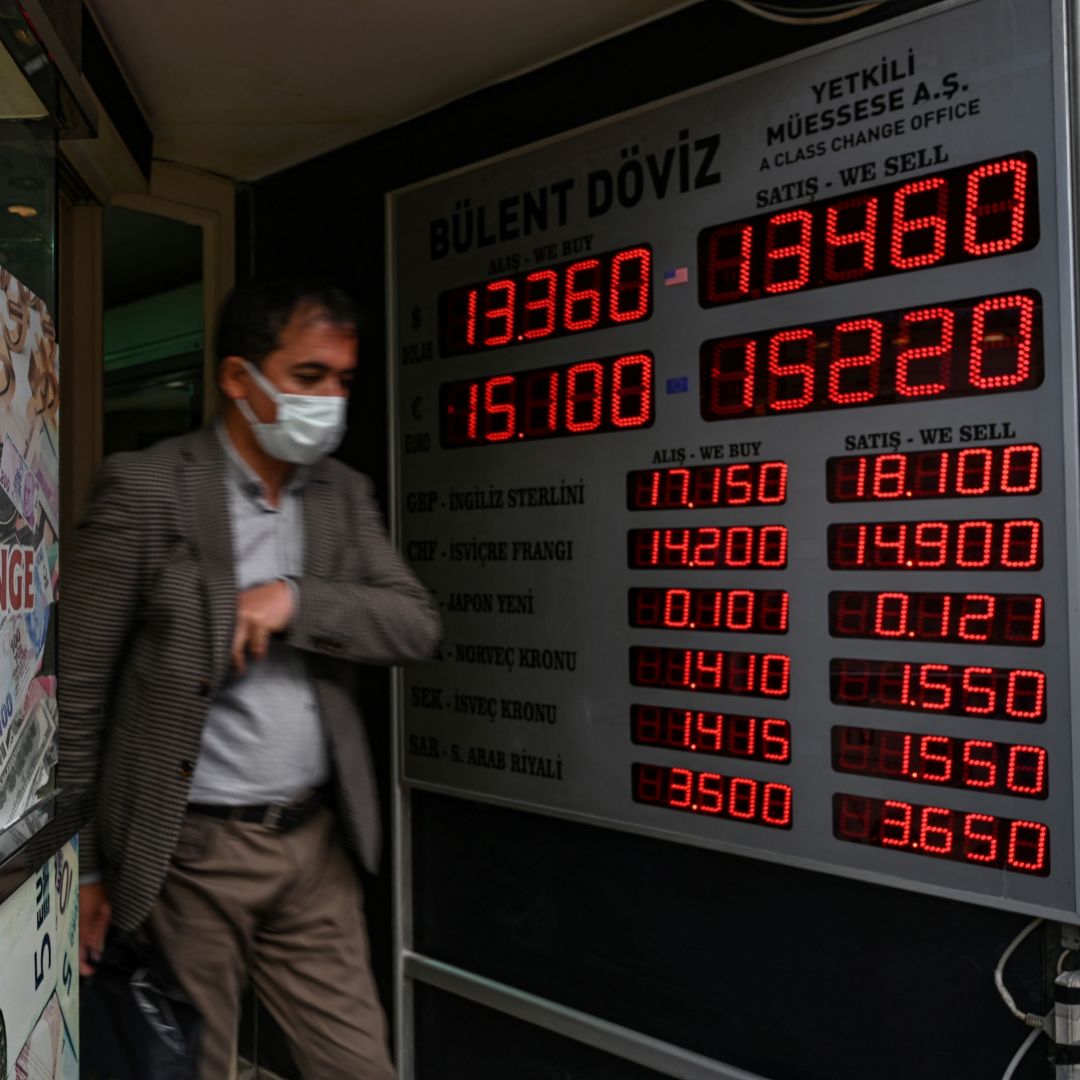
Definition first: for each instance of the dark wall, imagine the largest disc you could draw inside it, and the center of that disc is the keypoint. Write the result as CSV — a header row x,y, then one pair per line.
x,y
869,982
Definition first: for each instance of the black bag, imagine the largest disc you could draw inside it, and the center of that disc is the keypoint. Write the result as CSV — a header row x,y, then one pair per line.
x,y
135,1022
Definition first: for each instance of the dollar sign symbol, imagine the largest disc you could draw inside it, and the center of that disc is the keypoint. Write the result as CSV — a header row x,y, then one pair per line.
x,y
417,318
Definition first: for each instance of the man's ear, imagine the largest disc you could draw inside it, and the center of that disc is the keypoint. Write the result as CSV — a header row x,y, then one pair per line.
x,y
231,377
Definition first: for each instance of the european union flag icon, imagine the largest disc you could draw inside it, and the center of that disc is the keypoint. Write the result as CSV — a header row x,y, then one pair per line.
x,y
678,385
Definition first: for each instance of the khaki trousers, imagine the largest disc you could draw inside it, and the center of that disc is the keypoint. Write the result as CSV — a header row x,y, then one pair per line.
x,y
284,910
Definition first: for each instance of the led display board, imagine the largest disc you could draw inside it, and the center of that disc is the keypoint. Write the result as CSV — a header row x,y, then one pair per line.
x,y
805,591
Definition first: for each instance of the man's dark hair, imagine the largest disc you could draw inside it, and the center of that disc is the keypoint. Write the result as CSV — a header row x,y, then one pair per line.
x,y
254,314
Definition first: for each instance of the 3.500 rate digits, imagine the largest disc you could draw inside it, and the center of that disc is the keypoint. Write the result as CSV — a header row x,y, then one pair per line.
x,y
959,690
737,798
970,212
957,349
937,545
941,833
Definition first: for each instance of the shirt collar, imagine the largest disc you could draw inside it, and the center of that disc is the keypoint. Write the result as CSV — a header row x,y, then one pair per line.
x,y
246,478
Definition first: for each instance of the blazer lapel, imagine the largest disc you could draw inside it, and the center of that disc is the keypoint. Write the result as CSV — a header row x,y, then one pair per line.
x,y
212,531
320,539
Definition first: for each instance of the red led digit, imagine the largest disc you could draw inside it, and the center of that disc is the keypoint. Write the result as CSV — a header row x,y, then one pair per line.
x,y
676,487
775,675
496,409
1026,770
1024,619
777,257
727,264
840,243
505,313
706,547
865,365
894,754
1027,846
740,485
545,302
739,548
994,347
932,379
474,408
772,482
774,612
1026,698
980,699
980,763
740,610
935,759
890,543
890,476
891,615
709,731
974,467
710,794
935,831
541,406
470,319
709,669
1021,469
974,544
743,798
772,546
581,306
919,240
584,407
680,787
933,618
991,227
896,823
631,279
776,740
977,617
776,805
677,608
1021,544
980,838
631,391
731,376
781,369
936,692
931,543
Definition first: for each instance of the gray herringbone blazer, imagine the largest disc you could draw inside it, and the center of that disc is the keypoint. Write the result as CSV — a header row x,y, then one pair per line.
x,y
145,626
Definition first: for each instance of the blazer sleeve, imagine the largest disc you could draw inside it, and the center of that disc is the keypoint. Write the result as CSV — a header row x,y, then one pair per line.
x,y
98,605
386,618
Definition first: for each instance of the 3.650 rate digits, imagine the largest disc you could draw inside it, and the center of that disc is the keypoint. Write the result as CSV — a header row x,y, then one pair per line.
x,y
969,212
708,547
754,738
976,764
972,618
737,798
708,671
703,487
958,349
977,839
734,611
1000,544
936,474
989,693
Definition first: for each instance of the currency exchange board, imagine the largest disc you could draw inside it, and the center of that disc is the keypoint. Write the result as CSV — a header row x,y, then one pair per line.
x,y
737,438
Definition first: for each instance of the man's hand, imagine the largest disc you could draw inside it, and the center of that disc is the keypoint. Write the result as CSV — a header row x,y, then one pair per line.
x,y
262,611
95,914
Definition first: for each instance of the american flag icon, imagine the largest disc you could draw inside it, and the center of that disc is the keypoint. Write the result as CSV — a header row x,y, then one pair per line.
x,y
679,276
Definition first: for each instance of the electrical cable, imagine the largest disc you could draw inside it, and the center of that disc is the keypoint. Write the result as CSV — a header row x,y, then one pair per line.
x,y
1031,1019
812,20
1025,1046
808,9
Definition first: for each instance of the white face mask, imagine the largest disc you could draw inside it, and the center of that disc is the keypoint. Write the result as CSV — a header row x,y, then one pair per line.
x,y
307,428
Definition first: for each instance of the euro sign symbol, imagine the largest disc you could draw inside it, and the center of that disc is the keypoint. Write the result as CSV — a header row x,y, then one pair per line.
x,y
416,412
417,317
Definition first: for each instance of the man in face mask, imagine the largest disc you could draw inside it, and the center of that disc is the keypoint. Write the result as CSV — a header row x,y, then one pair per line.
x,y
224,587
